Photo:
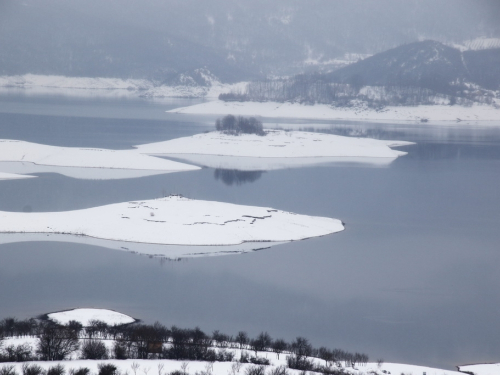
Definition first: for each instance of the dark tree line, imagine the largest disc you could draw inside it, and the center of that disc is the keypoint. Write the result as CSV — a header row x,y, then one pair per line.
x,y
239,125
320,89
156,341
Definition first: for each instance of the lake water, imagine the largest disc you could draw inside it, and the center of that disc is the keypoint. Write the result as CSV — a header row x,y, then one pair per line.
x,y
414,278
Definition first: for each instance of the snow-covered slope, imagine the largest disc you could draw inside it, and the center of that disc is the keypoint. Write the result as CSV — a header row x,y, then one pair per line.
x,y
429,113
174,220
84,315
27,157
481,369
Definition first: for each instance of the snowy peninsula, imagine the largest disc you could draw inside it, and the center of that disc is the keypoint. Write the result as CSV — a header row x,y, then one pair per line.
x,y
20,157
276,149
423,113
173,220
85,315
12,176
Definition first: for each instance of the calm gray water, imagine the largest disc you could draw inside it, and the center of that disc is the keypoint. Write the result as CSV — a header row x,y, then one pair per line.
x,y
414,278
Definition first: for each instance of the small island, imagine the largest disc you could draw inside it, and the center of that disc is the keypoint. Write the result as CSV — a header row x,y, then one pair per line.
x,y
172,220
241,143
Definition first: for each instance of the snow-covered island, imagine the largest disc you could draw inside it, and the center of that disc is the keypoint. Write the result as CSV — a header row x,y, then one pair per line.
x,y
172,220
432,114
85,315
276,149
20,157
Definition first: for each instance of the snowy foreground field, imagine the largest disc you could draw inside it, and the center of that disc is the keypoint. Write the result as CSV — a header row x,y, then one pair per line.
x,y
431,113
87,163
173,220
165,366
277,149
481,369
152,367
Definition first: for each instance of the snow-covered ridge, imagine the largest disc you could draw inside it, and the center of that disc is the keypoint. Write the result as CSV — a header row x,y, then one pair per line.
x,y
423,113
174,220
185,88
85,315
26,157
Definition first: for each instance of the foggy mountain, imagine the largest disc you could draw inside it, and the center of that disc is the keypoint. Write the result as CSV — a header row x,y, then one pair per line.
x,y
234,39
426,64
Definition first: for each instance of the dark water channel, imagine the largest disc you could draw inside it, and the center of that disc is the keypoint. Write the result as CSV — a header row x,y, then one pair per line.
x,y
415,277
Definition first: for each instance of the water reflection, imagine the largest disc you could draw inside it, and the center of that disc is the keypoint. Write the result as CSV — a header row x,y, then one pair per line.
x,y
232,177
414,278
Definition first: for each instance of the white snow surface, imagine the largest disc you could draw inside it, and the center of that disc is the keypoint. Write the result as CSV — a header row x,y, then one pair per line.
x,y
174,220
482,369
277,149
225,368
26,157
85,315
276,144
429,113
13,176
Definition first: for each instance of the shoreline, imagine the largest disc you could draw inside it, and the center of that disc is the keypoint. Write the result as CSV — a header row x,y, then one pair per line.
x,y
423,115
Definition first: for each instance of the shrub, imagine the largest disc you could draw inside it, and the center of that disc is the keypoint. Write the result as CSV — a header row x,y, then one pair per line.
x,y
80,371
32,369
299,363
236,125
56,370
120,351
94,349
8,370
107,369
281,370
255,370
259,361
19,353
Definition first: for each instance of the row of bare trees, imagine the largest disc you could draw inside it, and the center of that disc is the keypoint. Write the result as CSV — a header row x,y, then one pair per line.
x,y
147,341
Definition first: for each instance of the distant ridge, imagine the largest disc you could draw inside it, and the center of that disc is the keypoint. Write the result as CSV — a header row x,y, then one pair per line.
x,y
427,64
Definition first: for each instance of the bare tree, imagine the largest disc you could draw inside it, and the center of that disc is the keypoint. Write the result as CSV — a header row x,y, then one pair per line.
x,y
56,342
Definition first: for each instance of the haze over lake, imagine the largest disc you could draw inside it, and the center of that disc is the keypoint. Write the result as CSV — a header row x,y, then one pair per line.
x,y
413,278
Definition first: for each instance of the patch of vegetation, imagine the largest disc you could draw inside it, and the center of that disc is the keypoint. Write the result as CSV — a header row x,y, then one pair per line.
x,y
239,125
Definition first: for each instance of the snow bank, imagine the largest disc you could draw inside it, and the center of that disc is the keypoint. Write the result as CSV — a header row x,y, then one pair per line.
x,y
481,369
26,157
143,366
174,220
12,176
83,316
277,149
137,87
430,113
